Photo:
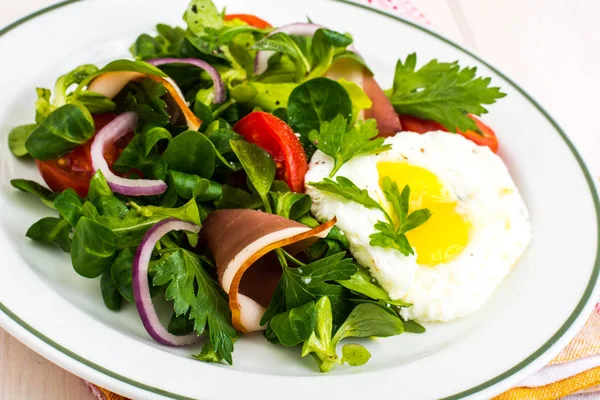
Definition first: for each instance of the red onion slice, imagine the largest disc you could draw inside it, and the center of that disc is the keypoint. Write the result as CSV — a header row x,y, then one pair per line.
x,y
261,61
218,86
141,288
112,132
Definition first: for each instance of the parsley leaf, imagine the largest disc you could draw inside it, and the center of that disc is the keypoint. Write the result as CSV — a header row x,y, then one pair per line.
x,y
191,288
345,188
390,236
442,92
337,141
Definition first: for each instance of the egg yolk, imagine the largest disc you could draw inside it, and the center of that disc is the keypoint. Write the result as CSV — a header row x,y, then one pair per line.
x,y
445,234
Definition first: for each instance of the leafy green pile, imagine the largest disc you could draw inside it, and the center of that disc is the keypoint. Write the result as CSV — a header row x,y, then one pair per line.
x,y
323,297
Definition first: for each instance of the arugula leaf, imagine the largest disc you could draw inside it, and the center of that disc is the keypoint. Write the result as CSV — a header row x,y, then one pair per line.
x,y
64,129
93,248
17,138
259,167
69,206
345,188
296,325
413,327
390,236
342,144
34,188
314,102
442,92
51,230
110,294
191,289
191,152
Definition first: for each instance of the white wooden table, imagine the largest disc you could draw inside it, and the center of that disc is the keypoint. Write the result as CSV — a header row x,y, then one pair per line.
x,y
551,47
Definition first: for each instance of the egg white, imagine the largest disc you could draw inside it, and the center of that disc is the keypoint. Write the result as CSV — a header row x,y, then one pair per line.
x,y
499,229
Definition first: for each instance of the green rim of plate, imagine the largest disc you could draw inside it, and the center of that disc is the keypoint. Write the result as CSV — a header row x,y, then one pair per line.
x,y
527,361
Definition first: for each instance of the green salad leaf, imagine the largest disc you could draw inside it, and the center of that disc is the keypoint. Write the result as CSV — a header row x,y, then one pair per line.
x,y
259,167
51,230
34,188
296,325
17,138
365,320
202,14
69,205
314,102
98,187
266,96
355,354
291,205
64,82
120,272
93,248
67,127
441,92
191,152
232,197
110,293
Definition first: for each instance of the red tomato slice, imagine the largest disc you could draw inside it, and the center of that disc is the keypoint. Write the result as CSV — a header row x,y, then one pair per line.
x,y
251,20
489,139
414,124
278,139
74,169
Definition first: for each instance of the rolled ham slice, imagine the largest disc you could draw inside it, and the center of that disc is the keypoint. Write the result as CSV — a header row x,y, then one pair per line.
x,y
388,122
242,243
110,84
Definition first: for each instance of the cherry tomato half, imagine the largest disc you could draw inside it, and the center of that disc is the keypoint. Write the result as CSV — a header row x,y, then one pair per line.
x,y
278,139
486,138
74,169
251,20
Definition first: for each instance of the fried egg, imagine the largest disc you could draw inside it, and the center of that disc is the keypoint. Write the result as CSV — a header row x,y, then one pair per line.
x,y
478,229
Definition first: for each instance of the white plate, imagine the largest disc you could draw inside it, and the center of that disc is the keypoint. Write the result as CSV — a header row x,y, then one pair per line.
x,y
534,313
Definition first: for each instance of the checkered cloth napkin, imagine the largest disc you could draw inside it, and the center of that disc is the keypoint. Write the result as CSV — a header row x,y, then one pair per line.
x,y
575,372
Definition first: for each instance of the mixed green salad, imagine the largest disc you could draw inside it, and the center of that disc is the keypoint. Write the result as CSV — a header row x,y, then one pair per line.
x,y
224,115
